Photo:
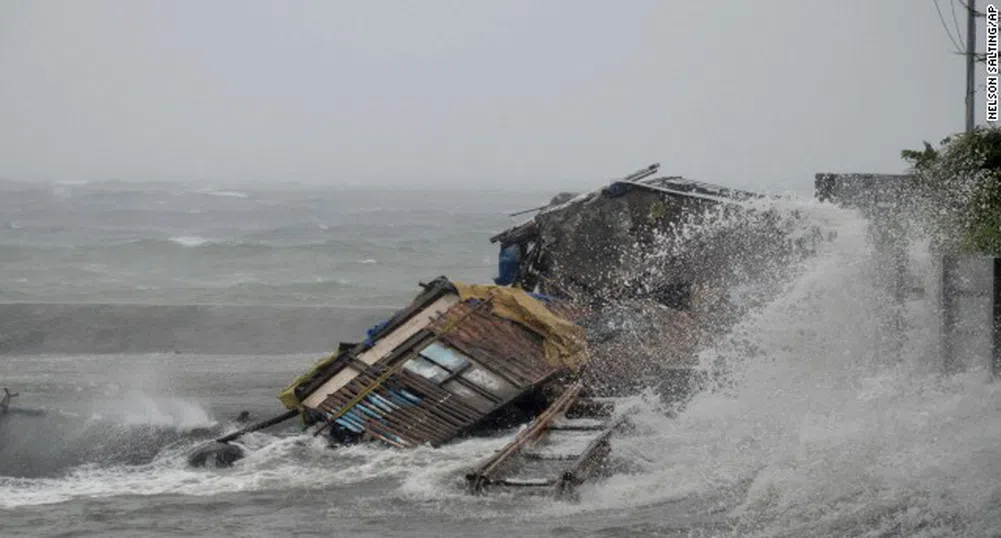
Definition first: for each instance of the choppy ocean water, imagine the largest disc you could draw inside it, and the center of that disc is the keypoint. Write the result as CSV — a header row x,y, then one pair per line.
x,y
170,244
232,292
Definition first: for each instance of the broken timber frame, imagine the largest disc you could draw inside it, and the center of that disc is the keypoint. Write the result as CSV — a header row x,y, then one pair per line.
x,y
587,463
486,473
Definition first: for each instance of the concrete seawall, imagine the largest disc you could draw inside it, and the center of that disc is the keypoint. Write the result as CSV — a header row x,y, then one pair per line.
x,y
32,328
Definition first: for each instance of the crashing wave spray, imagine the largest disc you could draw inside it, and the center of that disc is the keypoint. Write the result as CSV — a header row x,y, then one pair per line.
x,y
685,284
812,428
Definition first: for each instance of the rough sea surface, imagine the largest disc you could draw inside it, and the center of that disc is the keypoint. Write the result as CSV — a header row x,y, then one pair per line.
x,y
144,318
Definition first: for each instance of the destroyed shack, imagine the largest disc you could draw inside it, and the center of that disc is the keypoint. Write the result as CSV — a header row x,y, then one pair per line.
x,y
657,259
594,246
456,358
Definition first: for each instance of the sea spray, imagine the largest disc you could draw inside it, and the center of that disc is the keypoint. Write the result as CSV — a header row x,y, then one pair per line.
x,y
811,428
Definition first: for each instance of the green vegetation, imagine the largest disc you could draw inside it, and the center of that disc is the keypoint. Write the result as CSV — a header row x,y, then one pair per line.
x,y
960,187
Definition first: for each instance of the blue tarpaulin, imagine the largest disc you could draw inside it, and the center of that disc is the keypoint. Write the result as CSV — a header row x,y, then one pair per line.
x,y
507,265
373,333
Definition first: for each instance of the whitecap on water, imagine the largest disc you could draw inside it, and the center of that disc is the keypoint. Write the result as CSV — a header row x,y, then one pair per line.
x,y
189,240
225,194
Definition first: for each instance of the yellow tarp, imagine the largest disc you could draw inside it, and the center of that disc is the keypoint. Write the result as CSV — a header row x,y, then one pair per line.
x,y
287,395
564,344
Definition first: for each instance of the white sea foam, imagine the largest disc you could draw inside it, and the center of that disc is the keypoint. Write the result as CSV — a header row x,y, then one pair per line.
x,y
272,463
190,240
225,194
176,413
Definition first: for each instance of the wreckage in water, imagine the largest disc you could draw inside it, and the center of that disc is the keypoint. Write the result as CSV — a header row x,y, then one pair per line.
x,y
5,400
5,405
463,358
457,358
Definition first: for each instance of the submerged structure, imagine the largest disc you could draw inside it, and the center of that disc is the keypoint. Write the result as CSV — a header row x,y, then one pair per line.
x,y
457,358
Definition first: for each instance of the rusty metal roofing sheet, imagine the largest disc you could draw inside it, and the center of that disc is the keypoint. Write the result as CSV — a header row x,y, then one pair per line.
x,y
510,350
386,401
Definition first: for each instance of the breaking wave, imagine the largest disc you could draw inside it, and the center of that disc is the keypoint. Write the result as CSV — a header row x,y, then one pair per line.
x,y
225,194
132,430
273,462
189,240
811,428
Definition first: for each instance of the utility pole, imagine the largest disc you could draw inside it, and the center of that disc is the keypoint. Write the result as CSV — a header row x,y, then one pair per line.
x,y
971,60
950,263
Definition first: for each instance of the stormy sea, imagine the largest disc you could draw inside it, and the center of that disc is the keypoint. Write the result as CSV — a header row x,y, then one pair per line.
x,y
143,318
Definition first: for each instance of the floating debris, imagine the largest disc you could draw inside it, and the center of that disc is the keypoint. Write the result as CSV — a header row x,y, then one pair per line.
x,y
554,454
5,400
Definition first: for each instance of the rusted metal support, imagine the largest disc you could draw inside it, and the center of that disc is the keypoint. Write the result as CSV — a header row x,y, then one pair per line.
x,y
484,475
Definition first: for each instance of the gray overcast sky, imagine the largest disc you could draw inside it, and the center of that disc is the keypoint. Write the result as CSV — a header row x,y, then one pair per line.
x,y
558,94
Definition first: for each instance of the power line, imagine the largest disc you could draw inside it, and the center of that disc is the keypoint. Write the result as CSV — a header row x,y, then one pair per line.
x,y
946,26
966,6
955,22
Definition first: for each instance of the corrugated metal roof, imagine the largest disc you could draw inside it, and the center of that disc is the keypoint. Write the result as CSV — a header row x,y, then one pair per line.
x,y
672,185
678,183
388,402
510,350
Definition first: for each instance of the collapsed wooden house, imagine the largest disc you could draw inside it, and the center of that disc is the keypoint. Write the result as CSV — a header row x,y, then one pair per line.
x,y
456,358
461,358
